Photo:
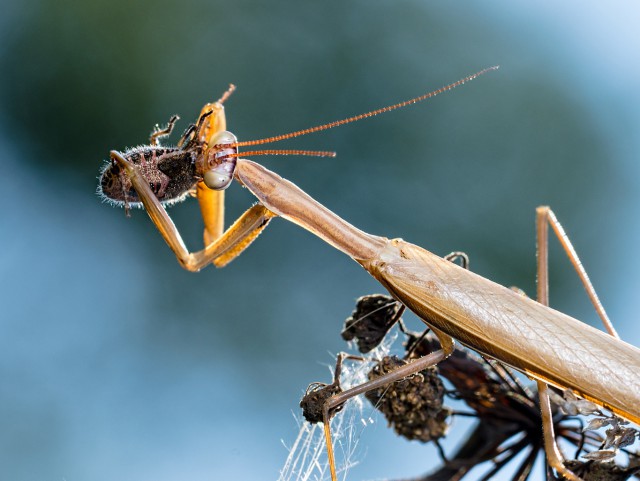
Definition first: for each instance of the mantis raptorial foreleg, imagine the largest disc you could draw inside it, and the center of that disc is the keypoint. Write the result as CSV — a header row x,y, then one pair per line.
x,y
212,211
222,250
221,246
204,161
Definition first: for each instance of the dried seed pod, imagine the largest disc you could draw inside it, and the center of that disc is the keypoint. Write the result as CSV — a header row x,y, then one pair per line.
x,y
315,398
413,406
370,321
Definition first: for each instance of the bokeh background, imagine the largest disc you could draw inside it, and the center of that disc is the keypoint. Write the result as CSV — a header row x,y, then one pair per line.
x,y
117,364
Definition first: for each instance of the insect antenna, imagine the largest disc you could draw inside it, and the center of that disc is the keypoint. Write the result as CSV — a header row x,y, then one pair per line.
x,y
312,153
355,118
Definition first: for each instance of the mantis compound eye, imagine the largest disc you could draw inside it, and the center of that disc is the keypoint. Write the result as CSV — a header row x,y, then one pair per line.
x,y
217,178
221,160
222,138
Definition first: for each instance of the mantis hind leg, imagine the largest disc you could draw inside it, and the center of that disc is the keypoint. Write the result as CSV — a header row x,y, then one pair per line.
x,y
554,456
545,218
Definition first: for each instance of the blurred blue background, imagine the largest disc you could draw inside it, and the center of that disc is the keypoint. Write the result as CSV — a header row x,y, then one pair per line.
x,y
117,364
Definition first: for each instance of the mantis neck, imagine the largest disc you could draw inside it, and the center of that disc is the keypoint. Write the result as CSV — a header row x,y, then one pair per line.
x,y
287,200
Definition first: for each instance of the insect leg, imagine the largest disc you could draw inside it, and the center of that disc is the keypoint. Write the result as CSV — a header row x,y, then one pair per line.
x,y
236,238
211,121
554,456
159,133
317,393
212,211
187,136
457,256
222,251
544,217
447,346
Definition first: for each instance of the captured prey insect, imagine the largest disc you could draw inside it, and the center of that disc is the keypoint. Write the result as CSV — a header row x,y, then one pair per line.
x,y
507,412
203,164
456,304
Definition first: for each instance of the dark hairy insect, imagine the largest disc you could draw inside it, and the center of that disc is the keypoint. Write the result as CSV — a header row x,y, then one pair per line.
x,y
173,172
170,171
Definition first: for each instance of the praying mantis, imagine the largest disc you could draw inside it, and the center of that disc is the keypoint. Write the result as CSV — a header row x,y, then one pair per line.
x,y
546,345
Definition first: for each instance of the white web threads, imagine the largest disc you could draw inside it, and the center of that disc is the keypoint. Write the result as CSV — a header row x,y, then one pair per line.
x,y
307,459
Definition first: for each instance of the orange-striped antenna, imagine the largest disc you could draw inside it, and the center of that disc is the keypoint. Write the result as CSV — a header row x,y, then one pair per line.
x,y
313,153
330,125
